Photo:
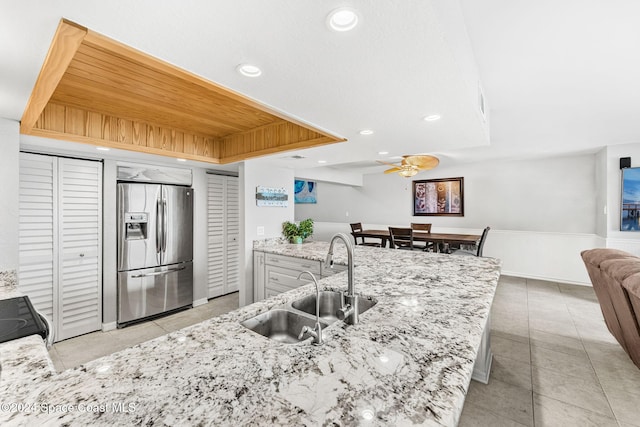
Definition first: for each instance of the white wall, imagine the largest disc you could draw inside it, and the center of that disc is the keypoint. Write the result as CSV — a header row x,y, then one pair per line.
x,y
9,161
542,213
254,173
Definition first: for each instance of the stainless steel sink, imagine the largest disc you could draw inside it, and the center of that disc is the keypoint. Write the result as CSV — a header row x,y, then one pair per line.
x,y
330,303
280,325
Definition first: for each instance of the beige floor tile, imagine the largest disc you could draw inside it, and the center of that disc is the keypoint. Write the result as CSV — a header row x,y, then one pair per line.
x,y
509,348
557,315
626,406
512,282
624,376
577,365
510,401
564,329
475,416
555,342
536,285
554,413
178,320
606,352
585,393
76,351
511,371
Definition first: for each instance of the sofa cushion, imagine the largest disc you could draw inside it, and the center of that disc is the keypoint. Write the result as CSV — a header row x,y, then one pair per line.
x,y
621,268
632,286
597,256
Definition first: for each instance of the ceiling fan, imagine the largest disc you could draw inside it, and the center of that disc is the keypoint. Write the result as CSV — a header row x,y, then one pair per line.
x,y
411,165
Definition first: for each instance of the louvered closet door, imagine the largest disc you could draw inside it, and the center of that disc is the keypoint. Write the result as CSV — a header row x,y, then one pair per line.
x,y
215,234
37,270
80,271
232,226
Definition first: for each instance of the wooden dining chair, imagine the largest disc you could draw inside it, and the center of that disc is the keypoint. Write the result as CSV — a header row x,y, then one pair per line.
x,y
401,238
479,246
356,227
424,228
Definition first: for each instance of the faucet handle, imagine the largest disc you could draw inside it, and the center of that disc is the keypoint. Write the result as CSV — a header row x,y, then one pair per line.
x,y
304,330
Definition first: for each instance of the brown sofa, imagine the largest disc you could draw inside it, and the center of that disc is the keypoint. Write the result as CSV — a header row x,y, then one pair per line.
x,y
615,276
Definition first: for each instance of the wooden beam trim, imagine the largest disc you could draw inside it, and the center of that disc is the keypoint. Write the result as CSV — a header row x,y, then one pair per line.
x,y
121,146
66,41
324,140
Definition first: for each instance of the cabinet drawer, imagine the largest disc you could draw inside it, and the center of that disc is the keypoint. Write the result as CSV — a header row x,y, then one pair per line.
x,y
284,277
298,264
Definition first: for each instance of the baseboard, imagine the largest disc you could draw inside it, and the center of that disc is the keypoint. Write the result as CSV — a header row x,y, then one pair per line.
x,y
201,301
548,279
106,327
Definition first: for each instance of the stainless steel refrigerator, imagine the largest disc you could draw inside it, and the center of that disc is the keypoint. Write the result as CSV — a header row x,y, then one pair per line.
x,y
155,249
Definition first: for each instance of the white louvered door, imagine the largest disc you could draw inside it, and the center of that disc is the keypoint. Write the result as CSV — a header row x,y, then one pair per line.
x,y
80,225
232,227
61,241
38,204
223,225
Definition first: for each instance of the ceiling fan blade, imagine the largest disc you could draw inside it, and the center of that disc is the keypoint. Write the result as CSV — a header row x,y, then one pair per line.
x,y
386,163
393,170
422,162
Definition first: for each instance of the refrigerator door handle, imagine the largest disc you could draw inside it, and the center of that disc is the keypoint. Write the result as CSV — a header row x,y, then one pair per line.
x,y
165,225
158,230
158,273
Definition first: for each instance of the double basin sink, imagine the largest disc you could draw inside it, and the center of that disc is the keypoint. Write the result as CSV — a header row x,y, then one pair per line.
x,y
284,324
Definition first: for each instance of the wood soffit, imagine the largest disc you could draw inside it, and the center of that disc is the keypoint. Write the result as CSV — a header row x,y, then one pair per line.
x,y
94,90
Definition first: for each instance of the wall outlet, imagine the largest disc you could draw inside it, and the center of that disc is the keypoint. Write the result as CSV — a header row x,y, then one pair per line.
x,y
260,231
346,213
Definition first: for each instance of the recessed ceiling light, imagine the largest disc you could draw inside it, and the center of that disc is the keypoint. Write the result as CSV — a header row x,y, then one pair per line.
x,y
342,19
102,148
432,117
322,161
181,160
366,132
382,153
249,70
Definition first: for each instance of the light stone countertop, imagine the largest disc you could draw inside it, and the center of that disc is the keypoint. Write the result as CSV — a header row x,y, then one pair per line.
x,y
409,360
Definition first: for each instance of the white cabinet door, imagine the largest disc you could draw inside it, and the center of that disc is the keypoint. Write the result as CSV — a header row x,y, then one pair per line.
x,y
223,235
80,219
38,230
61,241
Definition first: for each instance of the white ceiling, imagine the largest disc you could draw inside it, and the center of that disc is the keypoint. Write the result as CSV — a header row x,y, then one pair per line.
x,y
559,76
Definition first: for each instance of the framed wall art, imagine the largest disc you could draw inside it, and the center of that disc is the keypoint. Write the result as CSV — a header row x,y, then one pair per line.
x,y
438,197
305,191
630,200
269,196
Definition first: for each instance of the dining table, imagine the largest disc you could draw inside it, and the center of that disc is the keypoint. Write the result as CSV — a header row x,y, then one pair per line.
x,y
423,236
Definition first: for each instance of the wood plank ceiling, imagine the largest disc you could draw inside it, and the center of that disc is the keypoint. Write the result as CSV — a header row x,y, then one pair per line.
x,y
94,90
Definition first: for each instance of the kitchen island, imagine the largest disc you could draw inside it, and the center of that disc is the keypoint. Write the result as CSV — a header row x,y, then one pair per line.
x,y
409,360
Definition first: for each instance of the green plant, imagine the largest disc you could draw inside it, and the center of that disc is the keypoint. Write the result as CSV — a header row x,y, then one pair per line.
x,y
290,230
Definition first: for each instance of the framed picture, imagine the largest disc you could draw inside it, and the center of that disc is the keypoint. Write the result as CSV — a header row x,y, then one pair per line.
x,y
269,196
305,191
630,200
438,197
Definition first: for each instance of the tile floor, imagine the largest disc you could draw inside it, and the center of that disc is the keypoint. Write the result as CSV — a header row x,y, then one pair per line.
x,y
76,351
555,363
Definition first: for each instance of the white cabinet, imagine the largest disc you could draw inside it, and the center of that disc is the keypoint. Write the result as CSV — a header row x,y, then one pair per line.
x,y
223,235
274,274
60,249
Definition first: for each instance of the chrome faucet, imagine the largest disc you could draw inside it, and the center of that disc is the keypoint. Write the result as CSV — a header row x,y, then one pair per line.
x,y
349,310
316,332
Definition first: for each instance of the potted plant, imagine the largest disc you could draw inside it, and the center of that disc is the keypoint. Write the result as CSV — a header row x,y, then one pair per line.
x,y
297,233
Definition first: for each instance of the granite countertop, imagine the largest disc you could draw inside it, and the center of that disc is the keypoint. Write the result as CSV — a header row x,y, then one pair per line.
x,y
408,361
